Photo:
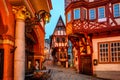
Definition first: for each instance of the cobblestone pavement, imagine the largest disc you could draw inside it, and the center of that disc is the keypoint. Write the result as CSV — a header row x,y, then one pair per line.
x,y
60,73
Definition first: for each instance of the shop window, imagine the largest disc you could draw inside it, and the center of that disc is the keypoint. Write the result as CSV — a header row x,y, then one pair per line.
x,y
29,64
92,14
37,64
109,52
76,13
116,9
101,12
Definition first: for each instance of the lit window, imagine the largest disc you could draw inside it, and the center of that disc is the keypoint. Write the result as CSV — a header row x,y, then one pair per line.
x,y
101,12
116,10
109,52
92,14
76,13
69,17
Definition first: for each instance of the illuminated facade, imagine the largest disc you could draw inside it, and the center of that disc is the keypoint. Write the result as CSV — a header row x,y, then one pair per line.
x,y
93,26
21,37
59,43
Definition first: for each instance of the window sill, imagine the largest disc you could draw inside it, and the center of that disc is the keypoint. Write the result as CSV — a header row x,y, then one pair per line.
x,y
102,20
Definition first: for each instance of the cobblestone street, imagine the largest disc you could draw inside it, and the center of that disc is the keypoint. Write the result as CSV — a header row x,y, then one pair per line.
x,y
60,73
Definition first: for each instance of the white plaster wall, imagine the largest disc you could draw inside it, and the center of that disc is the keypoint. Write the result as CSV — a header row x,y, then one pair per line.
x,y
104,67
118,21
91,0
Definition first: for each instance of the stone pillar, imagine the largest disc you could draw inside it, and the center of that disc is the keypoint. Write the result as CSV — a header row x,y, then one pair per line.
x,y
19,55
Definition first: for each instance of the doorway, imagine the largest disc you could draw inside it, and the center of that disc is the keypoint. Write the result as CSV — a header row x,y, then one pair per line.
x,y
86,64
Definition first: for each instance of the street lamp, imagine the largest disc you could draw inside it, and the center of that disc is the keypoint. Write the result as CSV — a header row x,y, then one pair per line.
x,y
42,14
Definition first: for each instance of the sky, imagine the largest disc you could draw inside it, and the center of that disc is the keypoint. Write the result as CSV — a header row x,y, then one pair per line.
x,y
58,9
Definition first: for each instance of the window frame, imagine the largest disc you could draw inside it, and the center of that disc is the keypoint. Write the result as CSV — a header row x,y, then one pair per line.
x,y
114,10
84,16
99,12
75,13
94,14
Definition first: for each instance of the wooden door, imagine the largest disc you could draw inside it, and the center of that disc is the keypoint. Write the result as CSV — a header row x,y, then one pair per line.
x,y
86,64
1,63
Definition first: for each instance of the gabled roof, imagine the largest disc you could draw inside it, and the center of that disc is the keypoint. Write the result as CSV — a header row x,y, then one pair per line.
x,y
60,23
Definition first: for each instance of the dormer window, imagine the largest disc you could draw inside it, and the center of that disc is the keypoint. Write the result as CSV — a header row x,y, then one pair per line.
x,y
101,12
116,8
77,13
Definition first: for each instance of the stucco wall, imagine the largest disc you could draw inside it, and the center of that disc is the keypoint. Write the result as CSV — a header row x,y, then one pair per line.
x,y
105,70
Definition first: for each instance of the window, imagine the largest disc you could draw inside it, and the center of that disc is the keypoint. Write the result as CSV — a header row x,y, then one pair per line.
x,y
59,28
57,40
101,12
69,17
116,8
63,39
109,52
92,14
115,51
103,52
76,13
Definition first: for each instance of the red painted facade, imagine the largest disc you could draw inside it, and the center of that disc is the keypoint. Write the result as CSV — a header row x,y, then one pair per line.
x,y
34,37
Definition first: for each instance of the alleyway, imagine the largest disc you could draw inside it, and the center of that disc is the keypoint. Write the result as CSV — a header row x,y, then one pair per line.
x,y
60,73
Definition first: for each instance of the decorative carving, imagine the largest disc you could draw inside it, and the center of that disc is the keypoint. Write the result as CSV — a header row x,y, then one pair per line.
x,y
21,12
85,26
82,42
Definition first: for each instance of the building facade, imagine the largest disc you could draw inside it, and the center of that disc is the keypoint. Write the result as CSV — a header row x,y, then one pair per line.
x,y
59,44
93,26
22,24
47,50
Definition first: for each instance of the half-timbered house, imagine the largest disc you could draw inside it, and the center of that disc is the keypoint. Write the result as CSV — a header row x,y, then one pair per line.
x,y
93,26
59,43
